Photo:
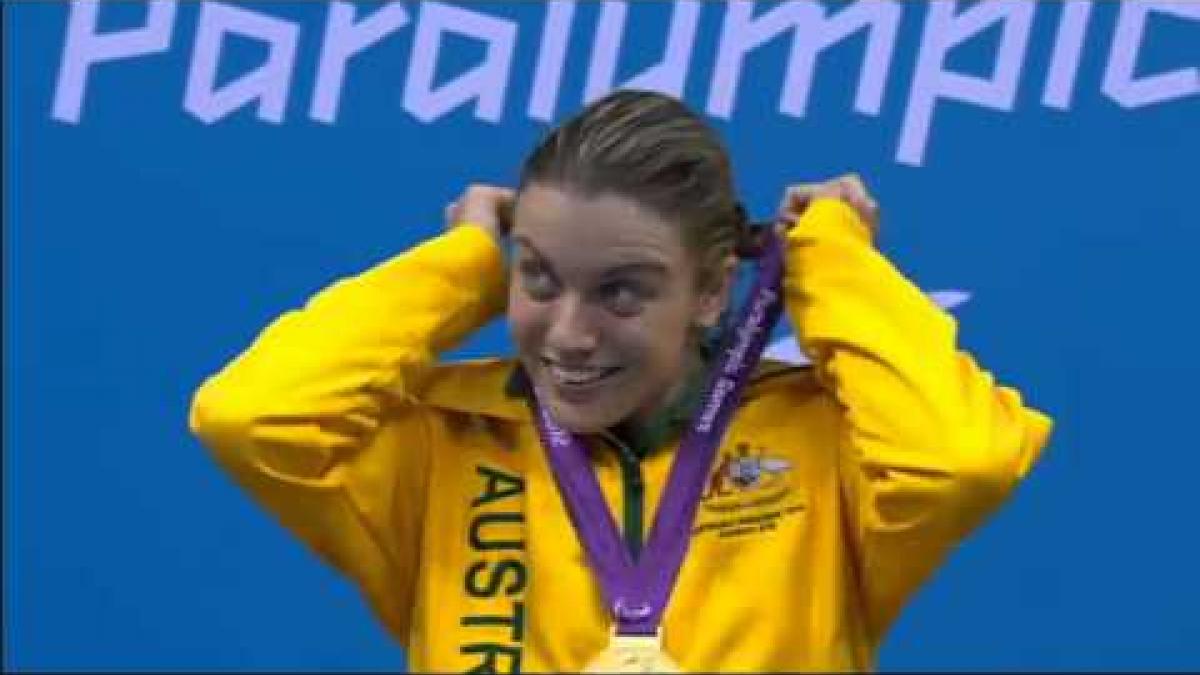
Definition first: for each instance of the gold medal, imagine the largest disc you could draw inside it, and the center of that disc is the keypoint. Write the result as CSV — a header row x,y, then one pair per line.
x,y
633,654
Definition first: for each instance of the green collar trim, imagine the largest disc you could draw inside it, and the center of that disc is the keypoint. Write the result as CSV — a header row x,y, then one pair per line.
x,y
668,421
654,433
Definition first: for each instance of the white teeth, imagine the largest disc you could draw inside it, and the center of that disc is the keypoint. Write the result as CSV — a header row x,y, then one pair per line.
x,y
577,376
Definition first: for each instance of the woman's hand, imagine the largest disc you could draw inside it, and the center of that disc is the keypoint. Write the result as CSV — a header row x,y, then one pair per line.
x,y
848,188
487,206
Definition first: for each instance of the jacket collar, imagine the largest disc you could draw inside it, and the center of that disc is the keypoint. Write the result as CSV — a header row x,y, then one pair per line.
x,y
641,439
498,387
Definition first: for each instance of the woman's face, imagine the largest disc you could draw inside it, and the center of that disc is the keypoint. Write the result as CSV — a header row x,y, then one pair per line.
x,y
602,300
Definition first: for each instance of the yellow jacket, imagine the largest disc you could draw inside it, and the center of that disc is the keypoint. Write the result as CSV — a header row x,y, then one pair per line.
x,y
837,490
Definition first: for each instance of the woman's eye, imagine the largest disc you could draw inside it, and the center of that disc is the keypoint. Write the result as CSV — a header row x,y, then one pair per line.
x,y
624,298
537,282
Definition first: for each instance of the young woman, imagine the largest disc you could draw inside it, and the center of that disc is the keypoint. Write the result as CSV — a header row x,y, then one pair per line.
x,y
632,491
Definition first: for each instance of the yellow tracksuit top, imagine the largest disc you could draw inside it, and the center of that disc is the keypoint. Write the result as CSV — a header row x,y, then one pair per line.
x,y
838,487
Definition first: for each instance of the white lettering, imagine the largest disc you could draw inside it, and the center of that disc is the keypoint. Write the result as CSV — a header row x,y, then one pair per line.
x,y
485,83
268,84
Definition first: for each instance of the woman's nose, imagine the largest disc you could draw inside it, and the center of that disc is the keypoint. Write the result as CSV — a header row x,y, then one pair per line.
x,y
572,331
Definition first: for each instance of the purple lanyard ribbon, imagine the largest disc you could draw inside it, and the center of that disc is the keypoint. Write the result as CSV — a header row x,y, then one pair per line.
x,y
638,593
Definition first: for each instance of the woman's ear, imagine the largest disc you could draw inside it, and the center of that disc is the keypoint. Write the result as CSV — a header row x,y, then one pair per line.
x,y
715,292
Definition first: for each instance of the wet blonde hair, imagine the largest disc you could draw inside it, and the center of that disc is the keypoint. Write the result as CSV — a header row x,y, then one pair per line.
x,y
650,148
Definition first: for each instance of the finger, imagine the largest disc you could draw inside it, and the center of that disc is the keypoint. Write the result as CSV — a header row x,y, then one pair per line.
x,y
862,200
856,187
854,181
797,198
865,209
804,192
872,212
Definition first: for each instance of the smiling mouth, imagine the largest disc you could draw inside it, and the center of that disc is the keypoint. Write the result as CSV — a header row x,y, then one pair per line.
x,y
576,377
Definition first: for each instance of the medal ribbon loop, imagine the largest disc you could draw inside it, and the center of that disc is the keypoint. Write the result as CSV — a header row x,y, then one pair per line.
x,y
638,593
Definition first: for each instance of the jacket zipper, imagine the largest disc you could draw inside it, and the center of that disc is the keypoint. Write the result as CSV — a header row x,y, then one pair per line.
x,y
633,490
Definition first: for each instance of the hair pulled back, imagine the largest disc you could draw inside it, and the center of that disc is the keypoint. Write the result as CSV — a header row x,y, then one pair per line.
x,y
653,150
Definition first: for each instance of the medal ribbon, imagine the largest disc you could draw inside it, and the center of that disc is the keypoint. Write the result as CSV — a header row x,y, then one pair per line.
x,y
638,593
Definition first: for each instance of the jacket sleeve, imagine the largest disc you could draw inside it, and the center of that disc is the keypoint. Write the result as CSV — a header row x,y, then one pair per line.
x,y
931,444
320,419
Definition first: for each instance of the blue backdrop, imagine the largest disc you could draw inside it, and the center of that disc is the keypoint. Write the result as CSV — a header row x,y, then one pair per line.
x,y
176,177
